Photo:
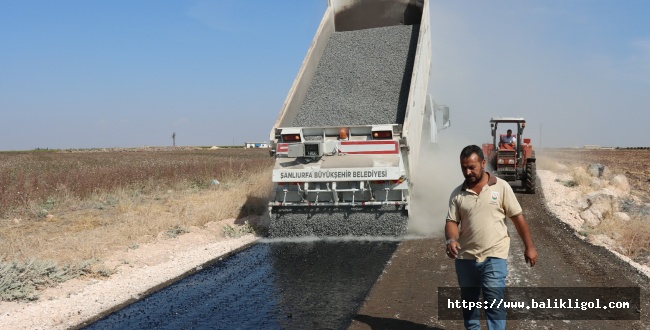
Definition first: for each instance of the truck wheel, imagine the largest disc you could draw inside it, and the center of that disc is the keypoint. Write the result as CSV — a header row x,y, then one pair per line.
x,y
531,177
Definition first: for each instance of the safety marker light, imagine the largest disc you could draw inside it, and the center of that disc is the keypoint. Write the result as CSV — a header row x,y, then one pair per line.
x,y
382,135
291,137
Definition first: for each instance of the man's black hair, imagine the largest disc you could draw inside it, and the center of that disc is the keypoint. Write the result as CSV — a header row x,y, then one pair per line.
x,y
472,149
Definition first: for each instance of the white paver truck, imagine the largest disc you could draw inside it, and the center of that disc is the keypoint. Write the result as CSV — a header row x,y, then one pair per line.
x,y
350,130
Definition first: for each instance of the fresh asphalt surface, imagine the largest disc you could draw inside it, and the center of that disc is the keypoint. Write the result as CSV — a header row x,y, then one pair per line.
x,y
370,285
309,285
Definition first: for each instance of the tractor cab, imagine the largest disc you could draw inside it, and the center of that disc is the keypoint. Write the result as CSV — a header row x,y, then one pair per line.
x,y
507,141
510,156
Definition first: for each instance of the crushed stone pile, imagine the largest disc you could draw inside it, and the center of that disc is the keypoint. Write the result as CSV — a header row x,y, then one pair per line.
x,y
363,78
385,221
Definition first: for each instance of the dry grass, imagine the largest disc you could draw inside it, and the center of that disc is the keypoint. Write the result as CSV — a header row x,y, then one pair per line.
x,y
125,218
633,236
114,201
33,182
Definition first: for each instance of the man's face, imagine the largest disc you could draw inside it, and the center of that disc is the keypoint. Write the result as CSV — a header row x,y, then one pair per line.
x,y
509,133
472,168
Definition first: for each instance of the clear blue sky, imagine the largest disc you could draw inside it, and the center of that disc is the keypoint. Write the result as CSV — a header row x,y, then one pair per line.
x,y
84,74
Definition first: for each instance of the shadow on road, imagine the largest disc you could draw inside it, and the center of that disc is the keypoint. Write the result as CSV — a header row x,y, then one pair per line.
x,y
254,206
386,323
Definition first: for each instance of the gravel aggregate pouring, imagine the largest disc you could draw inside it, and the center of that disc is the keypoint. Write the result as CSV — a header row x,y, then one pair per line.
x,y
383,220
363,78
307,285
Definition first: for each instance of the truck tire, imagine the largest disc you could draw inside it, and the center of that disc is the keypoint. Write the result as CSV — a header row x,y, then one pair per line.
x,y
531,177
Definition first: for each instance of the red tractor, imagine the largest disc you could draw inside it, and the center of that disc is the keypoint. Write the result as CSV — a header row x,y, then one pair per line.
x,y
511,158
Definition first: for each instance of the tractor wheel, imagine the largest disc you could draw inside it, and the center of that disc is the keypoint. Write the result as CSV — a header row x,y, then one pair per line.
x,y
531,177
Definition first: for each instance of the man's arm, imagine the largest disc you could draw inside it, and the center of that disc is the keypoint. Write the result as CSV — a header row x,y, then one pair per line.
x,y
522,229
451,233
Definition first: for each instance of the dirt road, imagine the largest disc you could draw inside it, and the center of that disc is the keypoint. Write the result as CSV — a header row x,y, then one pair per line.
x,y
405,296
321,284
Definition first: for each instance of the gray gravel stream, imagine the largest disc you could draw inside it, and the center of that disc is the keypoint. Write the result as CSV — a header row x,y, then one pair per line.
x,y
363,78
386,220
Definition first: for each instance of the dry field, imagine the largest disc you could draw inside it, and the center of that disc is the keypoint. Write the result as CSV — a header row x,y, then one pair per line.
x,y
61,212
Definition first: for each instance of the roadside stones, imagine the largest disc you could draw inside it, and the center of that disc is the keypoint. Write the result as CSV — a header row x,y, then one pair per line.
x,y
605,202
596,205
601,209
596,183
600,204
620,182
581,203
621,216
596,169
645,209
590,218
634,206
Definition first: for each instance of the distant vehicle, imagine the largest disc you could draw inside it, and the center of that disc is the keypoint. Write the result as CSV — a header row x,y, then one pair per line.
x,y
512,162
256,145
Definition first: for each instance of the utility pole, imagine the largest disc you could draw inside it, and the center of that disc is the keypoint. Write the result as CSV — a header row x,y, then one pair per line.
x,y
174,138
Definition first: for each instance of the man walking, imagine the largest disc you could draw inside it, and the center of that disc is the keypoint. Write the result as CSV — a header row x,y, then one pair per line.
x,y
477,236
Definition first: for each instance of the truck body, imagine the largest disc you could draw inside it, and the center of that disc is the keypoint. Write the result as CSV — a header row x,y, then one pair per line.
x,y
350,130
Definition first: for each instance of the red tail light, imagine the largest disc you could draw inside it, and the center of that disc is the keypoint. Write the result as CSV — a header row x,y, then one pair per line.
x,y
382,135
291,138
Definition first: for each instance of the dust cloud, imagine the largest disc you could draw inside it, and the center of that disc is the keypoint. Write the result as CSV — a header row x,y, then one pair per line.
x,y
436,175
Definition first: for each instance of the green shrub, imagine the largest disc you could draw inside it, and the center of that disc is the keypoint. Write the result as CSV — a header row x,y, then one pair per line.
x,y
19,280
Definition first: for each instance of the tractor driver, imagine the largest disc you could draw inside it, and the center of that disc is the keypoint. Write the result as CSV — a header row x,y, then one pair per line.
x,y
509,139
